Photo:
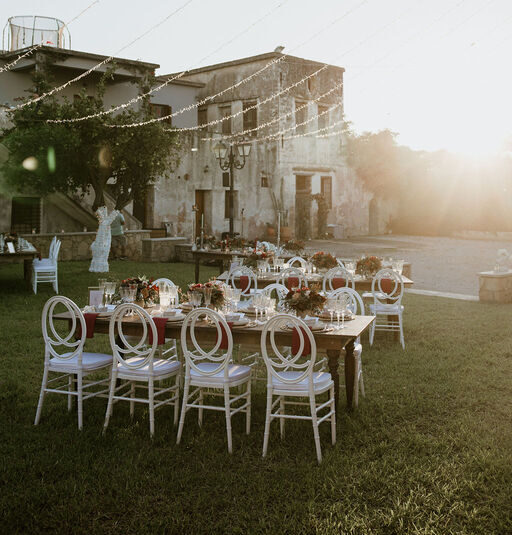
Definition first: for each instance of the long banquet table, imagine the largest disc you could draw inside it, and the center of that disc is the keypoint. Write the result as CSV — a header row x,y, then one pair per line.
x,y
362,284
25,255
331,343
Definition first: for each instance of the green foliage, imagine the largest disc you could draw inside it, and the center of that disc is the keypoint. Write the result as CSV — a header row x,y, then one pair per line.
x,y
429,450
87,153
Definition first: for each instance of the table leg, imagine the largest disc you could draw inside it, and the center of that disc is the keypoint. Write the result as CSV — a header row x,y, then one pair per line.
x,y
333,357
197,269
350,373
27,269
221,267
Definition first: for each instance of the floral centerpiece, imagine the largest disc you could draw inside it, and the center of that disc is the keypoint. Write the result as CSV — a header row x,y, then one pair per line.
x,y
238,243
294,246
147,292
323,261
216,292
368,265
304,300
258,254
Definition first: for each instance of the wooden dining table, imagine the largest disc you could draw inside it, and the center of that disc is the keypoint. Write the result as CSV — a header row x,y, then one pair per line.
x,y
362,284
25,255
334,344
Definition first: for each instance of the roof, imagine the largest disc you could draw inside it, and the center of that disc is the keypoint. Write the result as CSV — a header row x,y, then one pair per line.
x,y
253,59
76,53
179,81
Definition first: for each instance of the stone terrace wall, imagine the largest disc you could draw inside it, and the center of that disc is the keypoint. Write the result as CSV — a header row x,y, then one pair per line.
x,y
77,245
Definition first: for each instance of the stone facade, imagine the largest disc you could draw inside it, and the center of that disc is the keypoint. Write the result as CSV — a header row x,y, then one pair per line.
x,y
161,249
77,245
291,170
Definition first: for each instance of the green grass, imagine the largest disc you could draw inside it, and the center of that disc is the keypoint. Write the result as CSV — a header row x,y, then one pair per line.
x,y
428,451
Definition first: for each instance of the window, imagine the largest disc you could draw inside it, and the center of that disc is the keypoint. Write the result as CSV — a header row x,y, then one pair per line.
x,y
225,180
202,116
301,113
326,187
227,203
161,110
26,214
225,111
264,181
323,120
250,117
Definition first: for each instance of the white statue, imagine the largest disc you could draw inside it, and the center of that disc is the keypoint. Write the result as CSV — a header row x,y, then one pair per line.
x,y
100,247
503,261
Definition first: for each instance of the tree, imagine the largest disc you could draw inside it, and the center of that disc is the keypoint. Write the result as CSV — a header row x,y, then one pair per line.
x,y
77,157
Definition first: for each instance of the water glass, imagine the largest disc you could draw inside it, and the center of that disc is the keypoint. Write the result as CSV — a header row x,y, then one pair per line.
x,y
110,290
207,297
330,306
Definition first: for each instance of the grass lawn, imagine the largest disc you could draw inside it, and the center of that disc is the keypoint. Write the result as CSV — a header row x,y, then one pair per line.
x,y
428,451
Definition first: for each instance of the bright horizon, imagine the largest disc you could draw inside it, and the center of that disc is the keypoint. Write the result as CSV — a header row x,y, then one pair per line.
x,y
433,71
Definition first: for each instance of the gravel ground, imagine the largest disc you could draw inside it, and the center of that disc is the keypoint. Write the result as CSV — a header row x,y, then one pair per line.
x,y
439,264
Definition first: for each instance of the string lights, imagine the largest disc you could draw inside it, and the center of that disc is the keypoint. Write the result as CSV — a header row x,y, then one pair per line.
x,y
42,43
101,63
206,99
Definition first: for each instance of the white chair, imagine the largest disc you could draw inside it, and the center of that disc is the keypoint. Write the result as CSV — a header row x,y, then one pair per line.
x,y
65,356
291,272
135,366
387,291
162,280
243,271
46,270
290,376
337,272
281,290
340,262
214,371
356,306
297,260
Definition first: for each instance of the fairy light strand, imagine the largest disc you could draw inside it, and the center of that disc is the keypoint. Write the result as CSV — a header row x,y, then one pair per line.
x,y
39,45
101,63
138,98
207,99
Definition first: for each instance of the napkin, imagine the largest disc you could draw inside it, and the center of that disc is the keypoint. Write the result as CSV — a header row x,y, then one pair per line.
x,y
385,284
292,282
160,330
296,342
90,322
244,282
224,340
338,282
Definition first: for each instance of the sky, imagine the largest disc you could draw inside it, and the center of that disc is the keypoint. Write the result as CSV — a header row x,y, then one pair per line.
x,y
437,72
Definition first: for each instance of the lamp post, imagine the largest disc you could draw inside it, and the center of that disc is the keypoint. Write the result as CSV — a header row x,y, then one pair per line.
x,y
229,159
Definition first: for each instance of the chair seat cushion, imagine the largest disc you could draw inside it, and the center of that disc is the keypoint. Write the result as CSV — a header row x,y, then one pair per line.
x,y
160,367
320,380
386,309
90,361
236,372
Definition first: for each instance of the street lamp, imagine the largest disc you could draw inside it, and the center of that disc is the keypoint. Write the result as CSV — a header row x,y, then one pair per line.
x,y
229,159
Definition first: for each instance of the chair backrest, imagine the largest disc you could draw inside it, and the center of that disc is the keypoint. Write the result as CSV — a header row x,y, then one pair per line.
x,y
125,347
281,290
356,303
340,262
70,346
164,280
52,246
280,360
55,253
291,272
195,354
243,271
297,260
387,285
333,276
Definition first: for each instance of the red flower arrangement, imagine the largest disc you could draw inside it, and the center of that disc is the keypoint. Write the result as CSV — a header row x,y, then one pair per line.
x,y
146,291
217,291
323,260
304,299
256,255
368,265
294,246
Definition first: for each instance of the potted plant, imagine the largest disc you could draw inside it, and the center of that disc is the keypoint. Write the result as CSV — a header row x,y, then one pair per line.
x,y
304,300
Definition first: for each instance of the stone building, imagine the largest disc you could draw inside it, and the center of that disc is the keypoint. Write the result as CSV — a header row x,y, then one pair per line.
x,y
281,173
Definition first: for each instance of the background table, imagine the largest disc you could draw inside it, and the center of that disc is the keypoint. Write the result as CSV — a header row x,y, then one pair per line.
x,y
331,343
26,255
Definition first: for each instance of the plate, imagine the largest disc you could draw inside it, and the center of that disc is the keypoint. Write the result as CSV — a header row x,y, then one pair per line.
x,y
240,323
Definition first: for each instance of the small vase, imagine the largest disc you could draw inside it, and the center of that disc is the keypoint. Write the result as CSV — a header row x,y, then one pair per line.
x,y
303,313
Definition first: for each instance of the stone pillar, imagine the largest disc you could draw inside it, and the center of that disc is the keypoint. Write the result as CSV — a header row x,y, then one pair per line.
x,y
495,287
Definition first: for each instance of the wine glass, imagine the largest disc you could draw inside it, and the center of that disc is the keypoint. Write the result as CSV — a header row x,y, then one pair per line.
x,y
330,306
342,308
110,290
207,296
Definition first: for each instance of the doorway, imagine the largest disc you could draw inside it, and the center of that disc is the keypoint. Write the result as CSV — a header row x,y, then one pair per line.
x,y
303,207
199,202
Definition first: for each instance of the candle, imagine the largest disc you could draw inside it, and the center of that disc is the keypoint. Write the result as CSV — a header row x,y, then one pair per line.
x,y
278,228
202,221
